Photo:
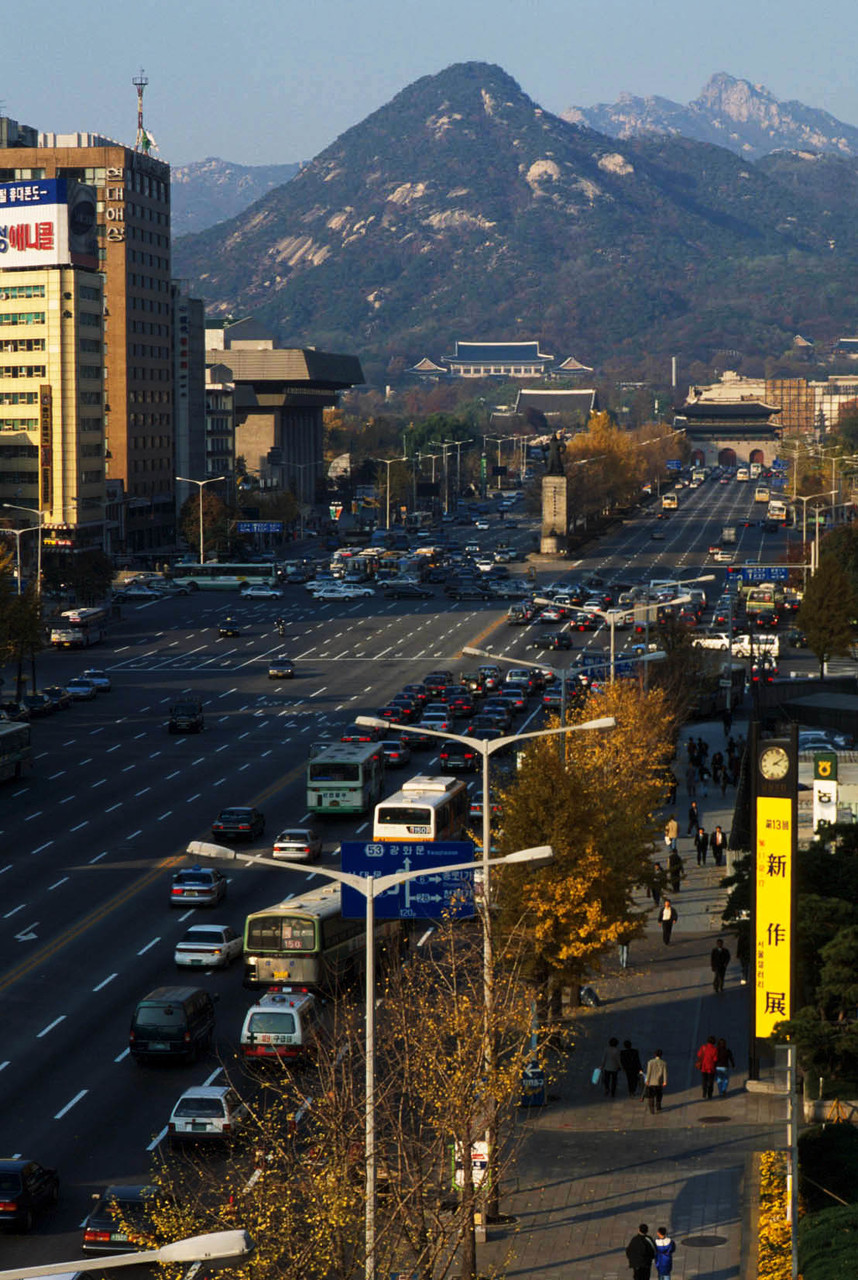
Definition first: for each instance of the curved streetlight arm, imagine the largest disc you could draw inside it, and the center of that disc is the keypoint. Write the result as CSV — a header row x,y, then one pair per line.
x,y
485,747
215,1245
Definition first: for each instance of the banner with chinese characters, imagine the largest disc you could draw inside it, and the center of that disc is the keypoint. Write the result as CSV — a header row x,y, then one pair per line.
x,y
773,942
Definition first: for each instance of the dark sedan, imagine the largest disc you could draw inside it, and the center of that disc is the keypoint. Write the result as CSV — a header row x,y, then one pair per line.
x,y
26,1189
119,1222
238,824
458,757
405,591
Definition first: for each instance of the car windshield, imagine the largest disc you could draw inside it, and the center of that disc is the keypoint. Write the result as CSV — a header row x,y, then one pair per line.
x,y
163,1016
204,937
197,1106
194,878
293,837
277,1023
234,815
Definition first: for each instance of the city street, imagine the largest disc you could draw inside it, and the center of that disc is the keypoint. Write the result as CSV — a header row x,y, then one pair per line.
x,y
90,840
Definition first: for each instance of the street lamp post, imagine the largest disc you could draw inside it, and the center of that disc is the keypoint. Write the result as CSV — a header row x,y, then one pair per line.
x,y
215,1245
486,749
388,462
371,887
40,516
200,483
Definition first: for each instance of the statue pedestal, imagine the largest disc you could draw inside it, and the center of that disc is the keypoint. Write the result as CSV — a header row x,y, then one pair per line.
x,y
555,517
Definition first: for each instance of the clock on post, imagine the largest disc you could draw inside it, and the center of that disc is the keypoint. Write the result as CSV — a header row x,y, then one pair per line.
x,y
775,814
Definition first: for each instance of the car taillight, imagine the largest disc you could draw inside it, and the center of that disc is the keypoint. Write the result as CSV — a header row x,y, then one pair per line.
x,y
8,1206
91,1236
176,890
227,1128
244,826
186,1037
171,1128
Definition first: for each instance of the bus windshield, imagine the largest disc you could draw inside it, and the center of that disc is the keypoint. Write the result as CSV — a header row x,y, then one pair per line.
x,y
281,933
403,816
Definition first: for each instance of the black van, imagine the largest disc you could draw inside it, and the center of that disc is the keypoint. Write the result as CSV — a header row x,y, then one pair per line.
x,y
172,1022
187,716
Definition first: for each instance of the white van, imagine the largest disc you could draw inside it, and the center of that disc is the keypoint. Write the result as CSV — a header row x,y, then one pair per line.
x,y
283,1026
763,642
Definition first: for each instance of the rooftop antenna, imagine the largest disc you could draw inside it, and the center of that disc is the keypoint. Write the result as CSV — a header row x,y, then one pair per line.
x,y
144,141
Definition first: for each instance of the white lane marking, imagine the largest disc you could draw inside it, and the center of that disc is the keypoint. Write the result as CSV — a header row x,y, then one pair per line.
x,y
138,794
154,754
137,736
227,693
190,799
135,834
56,1022
123,1054
8,866
31,816
318,691
165,815
225,747
98,856
149,946
77,1097
47,845
15,910
129,767
266,753
198,760
4,1065
27,934
114,806
185,916
244,735
70,742
100,783
57,883
80,826
88,760
93,732
363,828
68,799
220,782
109,749
243,767
52,777
214,1075
105,981
175,774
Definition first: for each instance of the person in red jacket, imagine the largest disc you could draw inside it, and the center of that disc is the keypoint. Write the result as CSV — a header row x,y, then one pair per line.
x,y
707,1061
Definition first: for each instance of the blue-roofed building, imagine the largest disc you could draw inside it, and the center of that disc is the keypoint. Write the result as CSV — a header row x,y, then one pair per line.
x,y
498,360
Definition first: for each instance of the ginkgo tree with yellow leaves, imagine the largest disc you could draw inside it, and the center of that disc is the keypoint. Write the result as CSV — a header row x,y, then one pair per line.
x,y
594,801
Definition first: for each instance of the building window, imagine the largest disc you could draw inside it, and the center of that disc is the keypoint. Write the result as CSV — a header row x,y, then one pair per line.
x,y
12,291
22,317
19,424
90,319
19,397
22,371
22,344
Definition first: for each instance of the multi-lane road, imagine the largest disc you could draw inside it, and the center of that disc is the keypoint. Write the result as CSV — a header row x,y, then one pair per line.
x,y
89,840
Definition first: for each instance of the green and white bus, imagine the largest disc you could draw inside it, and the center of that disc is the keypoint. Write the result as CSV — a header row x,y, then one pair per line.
x,y
305,942
223,577
345,778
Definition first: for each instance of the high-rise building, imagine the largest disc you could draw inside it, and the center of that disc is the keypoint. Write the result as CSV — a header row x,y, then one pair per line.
x,y
132,191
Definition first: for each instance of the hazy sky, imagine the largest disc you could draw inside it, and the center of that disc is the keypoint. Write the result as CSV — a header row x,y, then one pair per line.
x,y
275,81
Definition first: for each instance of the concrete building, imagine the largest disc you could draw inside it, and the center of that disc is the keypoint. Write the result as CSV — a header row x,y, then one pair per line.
x,y
189,390
280,396
132,192
52,450
220,422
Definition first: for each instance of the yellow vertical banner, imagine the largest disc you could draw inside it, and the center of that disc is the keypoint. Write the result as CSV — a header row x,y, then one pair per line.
x,y
774,934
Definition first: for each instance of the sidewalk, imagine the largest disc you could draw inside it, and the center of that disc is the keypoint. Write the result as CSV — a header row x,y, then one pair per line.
x,y
591,1168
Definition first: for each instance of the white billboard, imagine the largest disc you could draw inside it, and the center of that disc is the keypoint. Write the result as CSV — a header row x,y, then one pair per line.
x,y
34,223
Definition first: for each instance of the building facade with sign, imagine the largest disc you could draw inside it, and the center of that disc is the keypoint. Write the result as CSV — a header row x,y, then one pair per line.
x,y
189,384
132,208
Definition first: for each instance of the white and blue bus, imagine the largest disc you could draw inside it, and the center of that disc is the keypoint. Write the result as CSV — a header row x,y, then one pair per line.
x,y
427,808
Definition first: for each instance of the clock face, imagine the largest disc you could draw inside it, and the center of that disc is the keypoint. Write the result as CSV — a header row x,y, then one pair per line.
x,y
774,764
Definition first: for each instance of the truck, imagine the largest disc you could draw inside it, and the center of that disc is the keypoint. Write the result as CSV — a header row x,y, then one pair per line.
x,y
728,535
755,469
669,502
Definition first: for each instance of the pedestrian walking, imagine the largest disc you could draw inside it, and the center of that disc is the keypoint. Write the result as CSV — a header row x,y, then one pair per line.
x,y
611,1067
702,750
718,845
672,784
640,1252
691,780
703,776
727,721
655,1081
623,942
701,844
693,817
675,869
630,1061
707,1061
723,1063
719,959
658,882
665,1248
667,918
671,831
724,781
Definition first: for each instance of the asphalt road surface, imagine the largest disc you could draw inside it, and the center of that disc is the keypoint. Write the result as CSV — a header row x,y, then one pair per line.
x,y
88,843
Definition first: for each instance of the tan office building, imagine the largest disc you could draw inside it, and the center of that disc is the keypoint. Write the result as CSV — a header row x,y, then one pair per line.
x,y
133,228
51,402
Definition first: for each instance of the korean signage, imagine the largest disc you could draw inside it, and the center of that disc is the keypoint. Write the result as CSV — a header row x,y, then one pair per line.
x,y
260,526
47,222
773,941
428,897
114,212
824,788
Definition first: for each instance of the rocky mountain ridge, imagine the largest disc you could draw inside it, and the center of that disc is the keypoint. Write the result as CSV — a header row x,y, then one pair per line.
x,y
744,117
213,190
463,209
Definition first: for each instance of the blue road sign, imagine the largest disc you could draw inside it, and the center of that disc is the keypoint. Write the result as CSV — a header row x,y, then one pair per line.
x,y
425,898
259,526
674,464
762,572
532,1086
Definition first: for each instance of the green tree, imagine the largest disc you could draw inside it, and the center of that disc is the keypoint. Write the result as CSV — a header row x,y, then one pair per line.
x,y
827,612
216,521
